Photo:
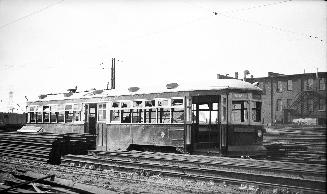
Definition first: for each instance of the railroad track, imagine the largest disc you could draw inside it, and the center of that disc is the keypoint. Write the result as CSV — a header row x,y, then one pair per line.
x,y
266,174
302,145
62,172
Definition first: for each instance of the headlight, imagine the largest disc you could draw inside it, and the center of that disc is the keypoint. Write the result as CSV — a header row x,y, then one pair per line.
x,y
259,133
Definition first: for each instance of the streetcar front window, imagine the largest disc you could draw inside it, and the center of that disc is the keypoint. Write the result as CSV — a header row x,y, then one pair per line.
x,y
239,111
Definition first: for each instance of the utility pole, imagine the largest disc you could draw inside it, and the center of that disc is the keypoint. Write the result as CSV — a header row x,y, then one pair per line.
x,y
113,69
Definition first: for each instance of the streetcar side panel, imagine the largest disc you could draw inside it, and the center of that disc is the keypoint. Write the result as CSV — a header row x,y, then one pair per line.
x,y
121,136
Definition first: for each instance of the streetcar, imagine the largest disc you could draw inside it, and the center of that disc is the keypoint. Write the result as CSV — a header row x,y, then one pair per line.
x,y
222,117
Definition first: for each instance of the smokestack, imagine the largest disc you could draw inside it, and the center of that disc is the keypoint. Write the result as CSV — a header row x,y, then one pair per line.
x,y
246,72
236,75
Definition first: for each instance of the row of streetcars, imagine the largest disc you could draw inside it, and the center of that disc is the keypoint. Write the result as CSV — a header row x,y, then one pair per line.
x,y
221,117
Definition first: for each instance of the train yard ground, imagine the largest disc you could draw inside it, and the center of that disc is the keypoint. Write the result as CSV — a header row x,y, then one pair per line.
x,y
298,165
89,180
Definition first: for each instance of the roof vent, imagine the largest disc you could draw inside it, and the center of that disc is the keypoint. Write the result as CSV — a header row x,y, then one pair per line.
x,y
97,92
68,94
172,85
133,89
42,96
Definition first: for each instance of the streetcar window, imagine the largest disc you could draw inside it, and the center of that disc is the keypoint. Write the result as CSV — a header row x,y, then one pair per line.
x,y
204,113
53,113
46,114
69,113
164,115
177,115
204,117
256,111
137,116
31,114
138,103
77,109
149,103
39,117
214,117
126,116
194,113
116,105
61,113
102,112
150,115
32,117
115,115
239,111
177,102
214,113
39,114
162,102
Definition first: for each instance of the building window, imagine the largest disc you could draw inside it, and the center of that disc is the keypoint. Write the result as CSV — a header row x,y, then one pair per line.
x,y
310,104
322,84
102,112
256,111
308,84
289,85
322,104
279,105
289,103
279,86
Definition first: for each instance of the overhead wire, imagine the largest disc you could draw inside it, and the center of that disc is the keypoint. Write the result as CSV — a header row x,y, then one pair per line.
x,y
31,14
277,28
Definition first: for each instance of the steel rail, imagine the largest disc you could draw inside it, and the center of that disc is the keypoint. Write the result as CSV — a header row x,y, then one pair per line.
x,y
312,185
308,170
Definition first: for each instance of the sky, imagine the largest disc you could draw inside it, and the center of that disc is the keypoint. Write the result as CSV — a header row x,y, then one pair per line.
x,y
49,46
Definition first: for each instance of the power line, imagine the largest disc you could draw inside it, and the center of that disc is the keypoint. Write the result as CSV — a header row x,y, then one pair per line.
x,y
31,14
276,28
257,6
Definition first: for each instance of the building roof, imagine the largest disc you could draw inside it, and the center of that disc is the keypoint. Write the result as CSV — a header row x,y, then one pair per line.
x,y
277,75
219,84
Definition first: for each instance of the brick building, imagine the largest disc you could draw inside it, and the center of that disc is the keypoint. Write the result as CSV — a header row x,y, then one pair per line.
x,y
289,97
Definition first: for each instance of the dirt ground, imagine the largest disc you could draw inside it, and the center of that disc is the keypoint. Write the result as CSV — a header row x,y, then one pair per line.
x,y
125,182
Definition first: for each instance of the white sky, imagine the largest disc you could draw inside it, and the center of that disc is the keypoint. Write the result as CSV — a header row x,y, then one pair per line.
x,y
49,46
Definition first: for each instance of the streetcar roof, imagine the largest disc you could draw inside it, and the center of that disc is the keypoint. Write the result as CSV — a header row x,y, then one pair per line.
x,y
219,84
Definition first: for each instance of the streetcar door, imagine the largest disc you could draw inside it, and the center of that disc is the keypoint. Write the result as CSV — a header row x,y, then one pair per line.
x,y
91,115
223,123
205,123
